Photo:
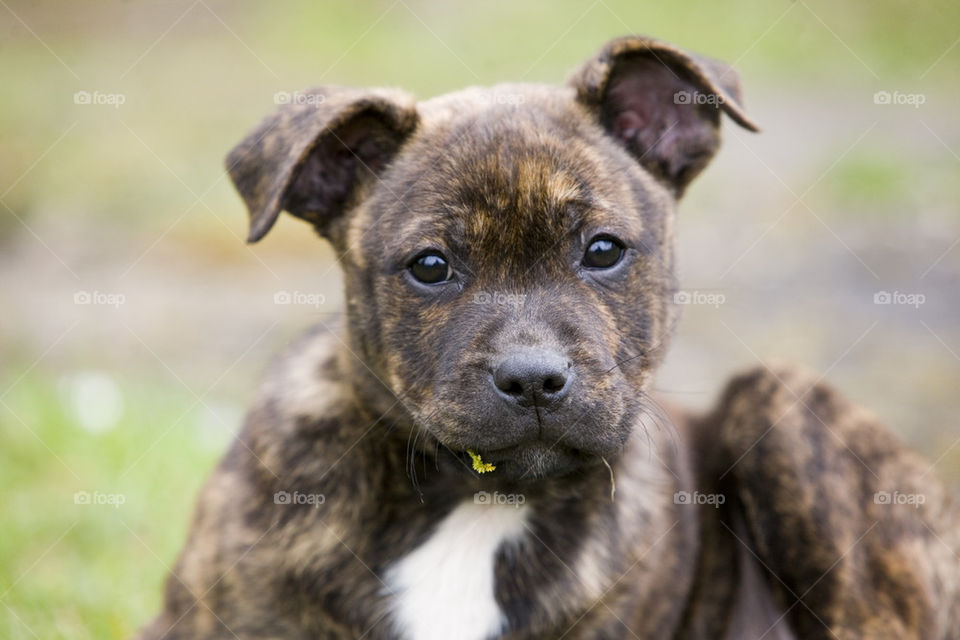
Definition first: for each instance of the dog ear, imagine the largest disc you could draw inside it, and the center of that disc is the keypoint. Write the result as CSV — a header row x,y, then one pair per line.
x,y
662,103
312,156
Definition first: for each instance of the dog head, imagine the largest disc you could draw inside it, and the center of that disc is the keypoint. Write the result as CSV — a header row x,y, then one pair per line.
x,y
507,251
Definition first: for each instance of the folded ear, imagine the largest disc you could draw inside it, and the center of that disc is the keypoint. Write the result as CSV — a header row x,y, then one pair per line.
x,y
313,155
662,103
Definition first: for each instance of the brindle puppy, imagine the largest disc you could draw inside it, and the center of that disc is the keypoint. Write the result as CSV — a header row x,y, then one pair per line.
x,y
508,256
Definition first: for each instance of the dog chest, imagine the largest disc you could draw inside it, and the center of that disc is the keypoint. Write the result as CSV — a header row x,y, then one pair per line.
x,y
444,589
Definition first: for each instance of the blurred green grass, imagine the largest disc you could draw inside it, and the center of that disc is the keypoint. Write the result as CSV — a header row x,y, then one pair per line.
x,y
73,570
193,86
872,184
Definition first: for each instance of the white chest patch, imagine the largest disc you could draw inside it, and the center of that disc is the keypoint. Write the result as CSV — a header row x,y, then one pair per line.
x,y
444,589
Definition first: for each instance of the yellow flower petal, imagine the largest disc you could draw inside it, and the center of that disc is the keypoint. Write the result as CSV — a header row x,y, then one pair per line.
x,y
478,464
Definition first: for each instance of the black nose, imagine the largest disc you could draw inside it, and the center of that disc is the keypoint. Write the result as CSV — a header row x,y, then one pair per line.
x,y
533,377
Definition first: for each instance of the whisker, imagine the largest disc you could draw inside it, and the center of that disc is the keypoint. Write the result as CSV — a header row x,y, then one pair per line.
x,y
613,482
412,463
661,419
623,362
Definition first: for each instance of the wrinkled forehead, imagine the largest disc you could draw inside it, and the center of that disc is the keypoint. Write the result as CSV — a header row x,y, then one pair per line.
x,y
511,183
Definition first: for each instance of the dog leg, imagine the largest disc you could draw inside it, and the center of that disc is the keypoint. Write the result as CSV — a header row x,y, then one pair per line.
x,y
857,537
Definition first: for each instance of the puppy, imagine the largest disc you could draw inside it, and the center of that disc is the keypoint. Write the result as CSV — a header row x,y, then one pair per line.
x,y
475,452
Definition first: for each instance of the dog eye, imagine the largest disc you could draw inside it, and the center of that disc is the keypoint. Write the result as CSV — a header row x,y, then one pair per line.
x,y
603,253
431,268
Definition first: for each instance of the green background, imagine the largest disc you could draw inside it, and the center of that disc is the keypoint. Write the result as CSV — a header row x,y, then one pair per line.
x,y
798,227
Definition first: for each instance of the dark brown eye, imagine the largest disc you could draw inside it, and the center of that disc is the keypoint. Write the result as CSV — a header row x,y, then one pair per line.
x,y
603,252
431,268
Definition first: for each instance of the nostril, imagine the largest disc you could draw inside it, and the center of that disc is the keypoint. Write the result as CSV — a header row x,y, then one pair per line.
x,y
554,383
512,387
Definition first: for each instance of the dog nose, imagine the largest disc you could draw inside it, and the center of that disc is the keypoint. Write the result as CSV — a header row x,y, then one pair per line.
x,y
533,378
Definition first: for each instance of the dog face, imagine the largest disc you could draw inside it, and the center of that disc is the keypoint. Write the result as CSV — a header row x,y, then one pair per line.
x,y
519,286
507,252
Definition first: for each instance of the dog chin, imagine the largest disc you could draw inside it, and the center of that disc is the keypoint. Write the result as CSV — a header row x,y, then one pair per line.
x,y
538,460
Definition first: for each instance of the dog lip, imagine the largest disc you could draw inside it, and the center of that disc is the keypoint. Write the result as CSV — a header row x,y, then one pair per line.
x,y
491,453
496,455
500,454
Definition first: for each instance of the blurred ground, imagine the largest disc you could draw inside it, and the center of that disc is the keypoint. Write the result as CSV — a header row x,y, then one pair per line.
x,y
136,321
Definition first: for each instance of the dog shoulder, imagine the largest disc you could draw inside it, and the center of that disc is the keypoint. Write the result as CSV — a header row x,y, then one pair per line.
x,y
304,430
849,522
284,493
303,381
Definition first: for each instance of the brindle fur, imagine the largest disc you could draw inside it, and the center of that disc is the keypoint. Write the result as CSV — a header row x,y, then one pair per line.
x,y
376,413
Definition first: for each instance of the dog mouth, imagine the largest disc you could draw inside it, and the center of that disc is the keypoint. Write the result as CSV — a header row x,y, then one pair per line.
x,y
523,448
522,462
